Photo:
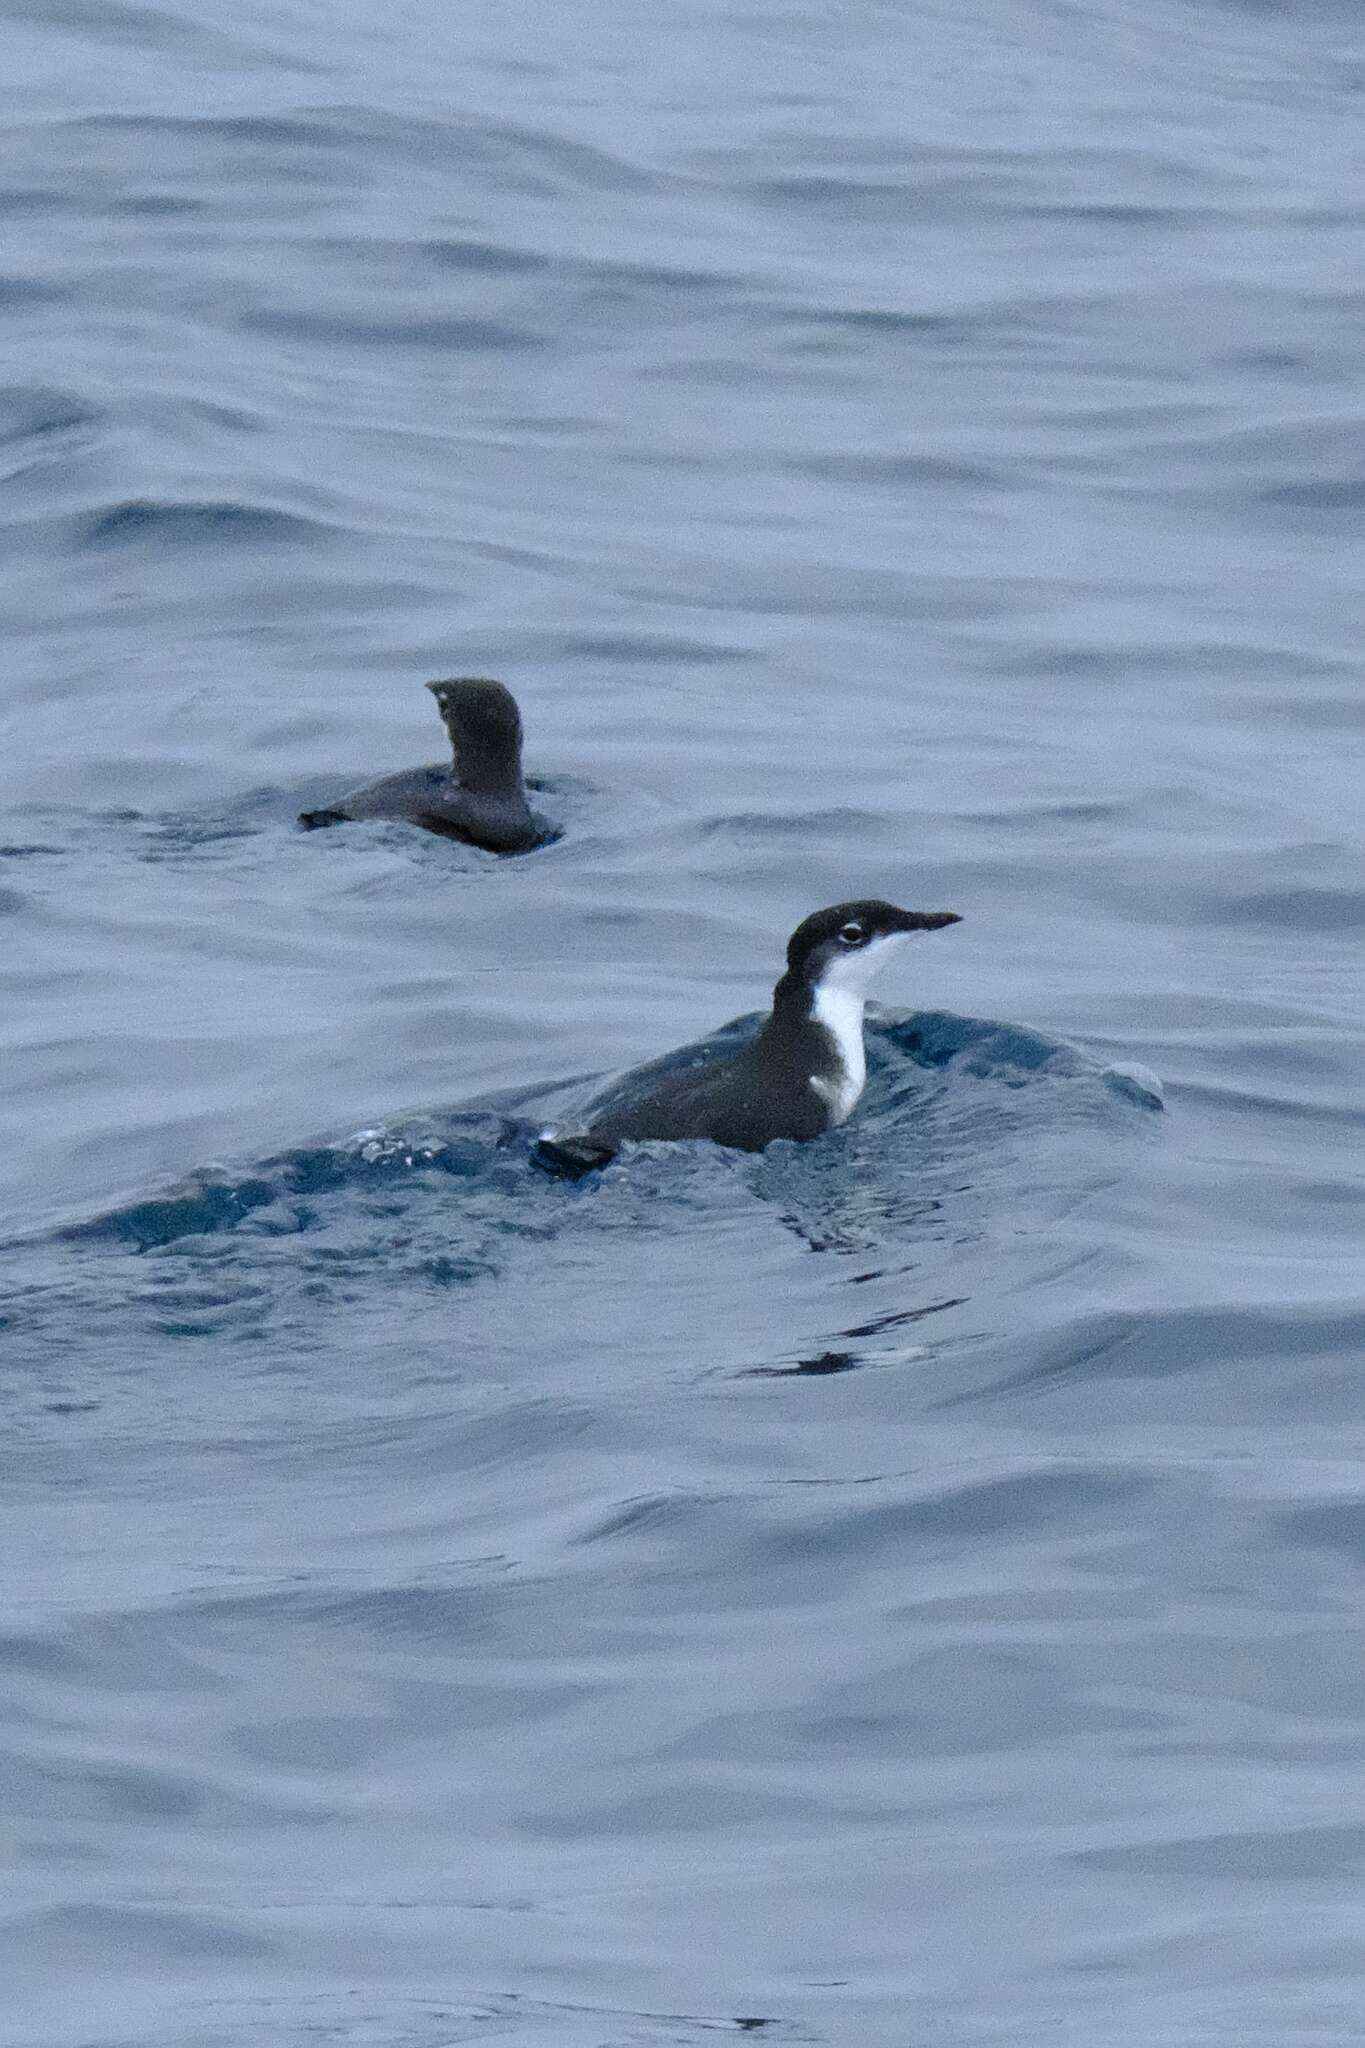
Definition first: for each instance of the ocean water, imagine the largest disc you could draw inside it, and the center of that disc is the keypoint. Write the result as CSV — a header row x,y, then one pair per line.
x,y
900,1590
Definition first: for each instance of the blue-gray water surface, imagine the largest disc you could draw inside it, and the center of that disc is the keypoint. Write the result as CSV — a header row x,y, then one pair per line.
x,y
902,1589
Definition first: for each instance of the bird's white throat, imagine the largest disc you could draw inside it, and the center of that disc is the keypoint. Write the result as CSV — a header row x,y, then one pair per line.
x,y
837,1004
840,1011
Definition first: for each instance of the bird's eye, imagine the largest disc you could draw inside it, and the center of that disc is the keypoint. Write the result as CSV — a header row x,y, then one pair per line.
x,y
852,935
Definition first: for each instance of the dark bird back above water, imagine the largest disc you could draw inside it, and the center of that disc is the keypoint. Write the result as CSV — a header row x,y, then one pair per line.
x,y
479,796
798,1078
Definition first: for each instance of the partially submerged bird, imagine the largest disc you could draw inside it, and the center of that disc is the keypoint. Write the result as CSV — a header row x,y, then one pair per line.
x,y
479,796
797,1079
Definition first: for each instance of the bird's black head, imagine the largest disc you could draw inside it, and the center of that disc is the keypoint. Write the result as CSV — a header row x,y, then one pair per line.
x,y
845,944
484,725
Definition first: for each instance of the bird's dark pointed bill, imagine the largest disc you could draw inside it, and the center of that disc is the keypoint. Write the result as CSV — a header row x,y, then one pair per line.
x,y
928,920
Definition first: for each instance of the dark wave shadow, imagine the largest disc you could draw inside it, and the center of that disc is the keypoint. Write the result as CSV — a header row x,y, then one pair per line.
x,y
41,413
196,523
283,1194
971,1134
922,1121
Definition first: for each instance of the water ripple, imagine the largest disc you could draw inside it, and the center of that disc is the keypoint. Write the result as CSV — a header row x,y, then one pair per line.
x,y
155,524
